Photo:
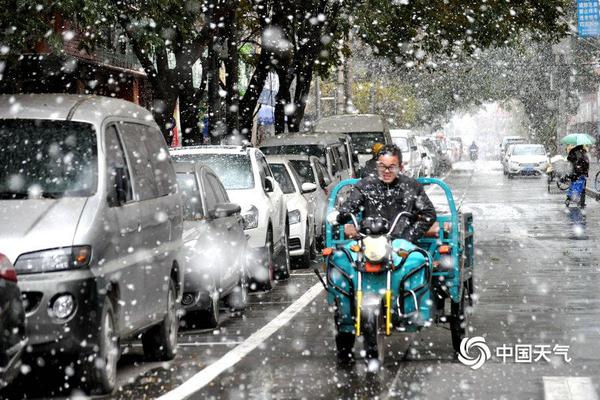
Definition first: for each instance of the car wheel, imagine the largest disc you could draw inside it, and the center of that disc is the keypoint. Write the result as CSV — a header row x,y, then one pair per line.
x,y
283,270
208,318
308,250
238,299
160,341
510,176
100,369
266,274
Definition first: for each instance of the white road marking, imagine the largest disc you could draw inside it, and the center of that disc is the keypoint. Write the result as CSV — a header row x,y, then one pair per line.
x,y
569,388
204,377
198,344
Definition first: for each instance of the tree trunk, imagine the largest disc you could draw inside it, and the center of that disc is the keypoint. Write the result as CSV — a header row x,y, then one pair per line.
x,y
255,87
232,100
283,98
303,81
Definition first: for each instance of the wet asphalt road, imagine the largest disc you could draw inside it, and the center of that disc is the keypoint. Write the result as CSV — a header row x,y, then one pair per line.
x,y
536,284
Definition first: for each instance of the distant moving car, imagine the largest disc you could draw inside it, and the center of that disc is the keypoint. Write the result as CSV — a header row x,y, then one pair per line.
x,y
527,159
212,226
364,129
335,150
249,182
311,170
504,159
412,159
507,141
91,214
12,323
301,212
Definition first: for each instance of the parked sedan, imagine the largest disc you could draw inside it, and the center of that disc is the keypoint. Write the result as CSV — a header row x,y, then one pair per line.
x,y
12,323
300,212
311,170
527,159
212,226
250,183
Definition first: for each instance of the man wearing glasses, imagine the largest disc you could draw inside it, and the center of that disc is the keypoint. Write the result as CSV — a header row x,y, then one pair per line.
x,y
387,195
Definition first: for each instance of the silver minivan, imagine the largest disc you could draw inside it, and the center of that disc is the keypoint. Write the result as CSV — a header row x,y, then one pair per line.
x,y
91,217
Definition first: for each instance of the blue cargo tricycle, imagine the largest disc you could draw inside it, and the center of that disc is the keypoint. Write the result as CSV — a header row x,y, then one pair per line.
x,y
378,284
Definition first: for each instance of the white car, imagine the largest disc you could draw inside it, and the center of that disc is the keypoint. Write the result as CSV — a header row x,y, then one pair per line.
x,y
301,213
411,157
250,183
527,159
311,170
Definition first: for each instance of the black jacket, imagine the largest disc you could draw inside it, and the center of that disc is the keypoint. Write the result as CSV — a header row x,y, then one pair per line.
x,y
580,162
376,198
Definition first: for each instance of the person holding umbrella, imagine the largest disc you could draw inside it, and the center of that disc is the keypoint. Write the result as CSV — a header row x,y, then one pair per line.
x,y
580,165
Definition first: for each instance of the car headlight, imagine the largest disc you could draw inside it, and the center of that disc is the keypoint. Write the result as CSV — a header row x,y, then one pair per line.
x,y
513,164
294,217
60,259
375,248
251,218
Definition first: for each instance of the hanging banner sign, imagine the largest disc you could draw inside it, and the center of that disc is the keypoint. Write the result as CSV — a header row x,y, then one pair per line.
x,y
588,18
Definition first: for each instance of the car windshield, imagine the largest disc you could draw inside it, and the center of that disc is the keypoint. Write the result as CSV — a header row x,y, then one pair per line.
x,y
401,142
304,169
363,141
283,178
47,159
528,151
234,170
295,149
190,193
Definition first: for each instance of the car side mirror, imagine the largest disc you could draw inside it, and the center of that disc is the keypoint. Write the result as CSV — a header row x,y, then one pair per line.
x,y
121,186
224,210
308,187
268,184
413,148
423,155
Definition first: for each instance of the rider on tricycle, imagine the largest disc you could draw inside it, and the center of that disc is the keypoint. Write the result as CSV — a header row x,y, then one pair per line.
x,y
395,268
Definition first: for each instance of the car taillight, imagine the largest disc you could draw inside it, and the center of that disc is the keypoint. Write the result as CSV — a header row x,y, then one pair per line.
x,y
7,271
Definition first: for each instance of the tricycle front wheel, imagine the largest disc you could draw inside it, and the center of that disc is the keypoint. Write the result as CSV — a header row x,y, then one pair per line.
x,y
372,322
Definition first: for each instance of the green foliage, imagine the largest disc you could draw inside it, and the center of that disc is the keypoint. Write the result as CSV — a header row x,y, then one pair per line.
x,y
417,30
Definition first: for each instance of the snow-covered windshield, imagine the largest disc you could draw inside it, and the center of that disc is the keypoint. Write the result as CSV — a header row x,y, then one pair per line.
x,y
363,141
528,151
295,149
283,178
48,159
234,170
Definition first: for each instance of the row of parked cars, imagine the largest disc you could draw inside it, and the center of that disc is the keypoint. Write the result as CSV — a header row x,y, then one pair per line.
x,y
112,235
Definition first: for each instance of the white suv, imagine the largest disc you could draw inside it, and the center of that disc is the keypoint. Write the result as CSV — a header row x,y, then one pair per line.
x,y
250,183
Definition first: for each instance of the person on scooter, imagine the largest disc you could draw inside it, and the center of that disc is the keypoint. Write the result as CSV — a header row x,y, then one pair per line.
x,y
473,150
580,164
387,195
370,167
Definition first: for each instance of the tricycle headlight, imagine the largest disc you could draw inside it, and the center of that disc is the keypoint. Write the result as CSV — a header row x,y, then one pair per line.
x,y
375,248
251,218
60,259
294,217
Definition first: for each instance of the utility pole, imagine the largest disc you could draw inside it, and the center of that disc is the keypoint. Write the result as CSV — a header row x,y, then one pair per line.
x,y
318,97
348,79
339,90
